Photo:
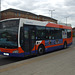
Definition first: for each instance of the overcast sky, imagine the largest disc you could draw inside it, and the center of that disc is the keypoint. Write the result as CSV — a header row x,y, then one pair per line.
x,y
63,8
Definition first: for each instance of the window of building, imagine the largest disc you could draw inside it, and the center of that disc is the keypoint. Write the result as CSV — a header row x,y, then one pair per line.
x,y
38,17
5,13
15,14
26,17
19,14
43,18
33,17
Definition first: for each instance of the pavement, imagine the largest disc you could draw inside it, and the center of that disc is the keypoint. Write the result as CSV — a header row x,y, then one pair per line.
x,y
56,63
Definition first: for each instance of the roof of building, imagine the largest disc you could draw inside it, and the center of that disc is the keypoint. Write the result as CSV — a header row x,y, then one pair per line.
x,y
47,17
16,10
26,12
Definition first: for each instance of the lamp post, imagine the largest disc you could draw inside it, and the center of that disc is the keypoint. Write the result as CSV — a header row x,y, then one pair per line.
x,y
51,12
0,9
66,20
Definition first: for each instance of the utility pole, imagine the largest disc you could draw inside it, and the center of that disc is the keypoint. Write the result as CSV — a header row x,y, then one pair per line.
x,y
0,9
66,20
51,12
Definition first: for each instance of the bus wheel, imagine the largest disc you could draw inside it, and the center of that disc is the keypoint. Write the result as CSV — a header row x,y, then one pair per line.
x,y
65,45
41,50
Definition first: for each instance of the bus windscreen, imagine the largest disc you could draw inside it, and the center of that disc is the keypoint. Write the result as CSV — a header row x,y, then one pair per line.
x,y
9,34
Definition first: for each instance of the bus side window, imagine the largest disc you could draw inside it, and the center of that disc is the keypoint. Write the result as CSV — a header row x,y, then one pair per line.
x,y
64,33
40,33
58,33
68,33
52,33
48,35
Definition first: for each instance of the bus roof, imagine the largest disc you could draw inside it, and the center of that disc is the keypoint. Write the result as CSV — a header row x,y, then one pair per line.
x,y
40,23
44,23
9,19
58,26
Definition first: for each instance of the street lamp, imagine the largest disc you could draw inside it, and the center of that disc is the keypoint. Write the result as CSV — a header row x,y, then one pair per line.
x,y
0,9
51,12
66,20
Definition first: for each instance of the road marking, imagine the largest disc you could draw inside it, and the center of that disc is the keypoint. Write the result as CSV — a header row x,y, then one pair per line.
x,y
34,60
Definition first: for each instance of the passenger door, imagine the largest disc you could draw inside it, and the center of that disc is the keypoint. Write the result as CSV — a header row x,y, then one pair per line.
x,y
29,39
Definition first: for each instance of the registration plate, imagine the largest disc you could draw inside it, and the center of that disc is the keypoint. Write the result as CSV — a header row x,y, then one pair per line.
x,y
6,54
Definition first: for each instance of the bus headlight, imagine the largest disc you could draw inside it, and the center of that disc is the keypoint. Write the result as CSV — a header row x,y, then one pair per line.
x,y
15,51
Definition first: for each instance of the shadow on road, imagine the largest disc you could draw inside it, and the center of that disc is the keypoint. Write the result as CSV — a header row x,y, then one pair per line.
x,y
4,60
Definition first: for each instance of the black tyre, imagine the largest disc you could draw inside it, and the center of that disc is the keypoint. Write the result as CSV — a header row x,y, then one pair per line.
x,y
65,45
40,50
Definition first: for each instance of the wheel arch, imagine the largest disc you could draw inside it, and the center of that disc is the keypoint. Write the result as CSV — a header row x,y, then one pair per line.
x,y
41,45
65,42
65,45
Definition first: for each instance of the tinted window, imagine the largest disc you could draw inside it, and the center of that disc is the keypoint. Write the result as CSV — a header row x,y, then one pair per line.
x,y
48,33
52,32
9,34
58,33
68,33
9,23
40,32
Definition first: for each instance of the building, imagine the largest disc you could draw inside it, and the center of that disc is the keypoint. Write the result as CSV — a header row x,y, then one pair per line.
x,y
73,29
14,13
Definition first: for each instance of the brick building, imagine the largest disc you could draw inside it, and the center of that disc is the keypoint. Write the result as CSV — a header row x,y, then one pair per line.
x,y
14,13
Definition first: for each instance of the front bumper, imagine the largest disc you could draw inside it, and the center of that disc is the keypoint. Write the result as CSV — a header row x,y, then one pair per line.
x,y
12,54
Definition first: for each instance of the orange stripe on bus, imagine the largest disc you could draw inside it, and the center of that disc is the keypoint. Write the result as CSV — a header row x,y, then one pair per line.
x,y
58,26
53,45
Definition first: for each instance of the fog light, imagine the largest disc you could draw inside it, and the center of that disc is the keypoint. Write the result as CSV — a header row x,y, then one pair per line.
x,y
15,51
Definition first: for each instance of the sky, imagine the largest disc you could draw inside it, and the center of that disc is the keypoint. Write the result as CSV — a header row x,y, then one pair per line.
x,y
63,9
